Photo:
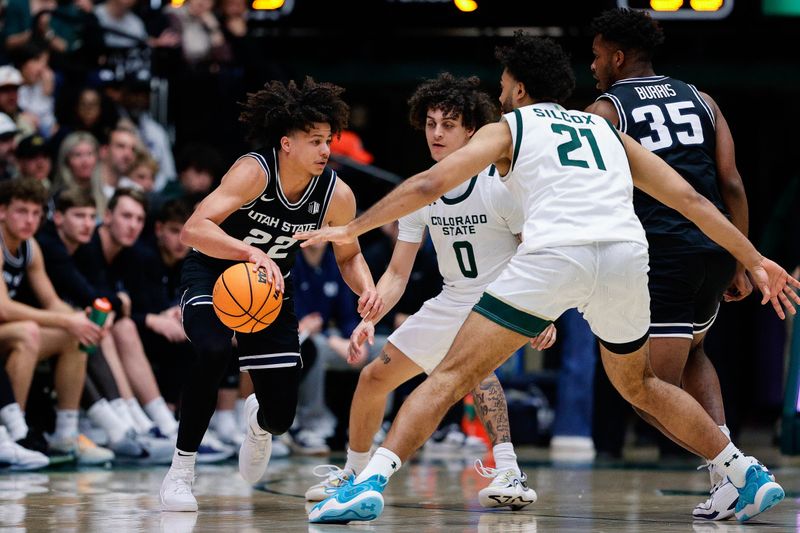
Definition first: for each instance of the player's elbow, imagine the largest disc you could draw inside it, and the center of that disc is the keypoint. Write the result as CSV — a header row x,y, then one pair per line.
x,y
692,205
189,233
431,187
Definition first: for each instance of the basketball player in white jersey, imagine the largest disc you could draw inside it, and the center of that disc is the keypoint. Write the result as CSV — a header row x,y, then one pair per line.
x,y
475,229
583,247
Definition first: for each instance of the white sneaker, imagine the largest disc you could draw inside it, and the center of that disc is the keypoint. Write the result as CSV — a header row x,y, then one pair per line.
x,y
255,450
16,457
85,451
334,479
572,449
721,504
176,490
507,489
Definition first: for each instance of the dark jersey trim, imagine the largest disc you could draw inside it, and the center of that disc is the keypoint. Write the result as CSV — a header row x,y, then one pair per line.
x,y
518,140
464,196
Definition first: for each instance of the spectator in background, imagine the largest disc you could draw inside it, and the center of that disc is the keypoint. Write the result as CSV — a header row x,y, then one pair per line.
x,y
78,166
74,21
38,84
135,106
33,158
10,82
153,288
127,29
199,169
85,110
59,327
117,157
143,173
202,39
28,21
233,15
8,130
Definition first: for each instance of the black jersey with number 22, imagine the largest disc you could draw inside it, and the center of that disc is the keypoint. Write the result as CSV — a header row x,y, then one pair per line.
x,y
269,221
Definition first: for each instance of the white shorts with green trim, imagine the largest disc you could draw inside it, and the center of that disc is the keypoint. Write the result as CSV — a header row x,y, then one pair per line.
x,y
426,336
606,281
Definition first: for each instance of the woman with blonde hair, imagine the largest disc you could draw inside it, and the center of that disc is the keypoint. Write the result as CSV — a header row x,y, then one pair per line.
x,y
77,165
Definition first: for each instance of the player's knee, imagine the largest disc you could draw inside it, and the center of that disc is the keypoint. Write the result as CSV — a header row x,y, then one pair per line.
x,y
276,422
29,336
374,379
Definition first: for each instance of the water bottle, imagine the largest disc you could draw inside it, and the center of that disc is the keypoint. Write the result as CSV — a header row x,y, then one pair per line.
x,y
100,309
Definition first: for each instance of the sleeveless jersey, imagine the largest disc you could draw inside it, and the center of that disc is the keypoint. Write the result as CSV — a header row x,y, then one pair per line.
x,y
473,230
671,119
15,268
269,220
571,171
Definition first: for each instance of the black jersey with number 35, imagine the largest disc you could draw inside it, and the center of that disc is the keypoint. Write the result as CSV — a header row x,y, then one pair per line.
x,y
671,119
269,221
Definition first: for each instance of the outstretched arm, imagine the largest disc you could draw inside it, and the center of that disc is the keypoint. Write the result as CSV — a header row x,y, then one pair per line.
x,y
659,180
489,144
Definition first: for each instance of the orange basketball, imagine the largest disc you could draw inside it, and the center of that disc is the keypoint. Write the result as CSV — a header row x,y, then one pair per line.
x,y
244,300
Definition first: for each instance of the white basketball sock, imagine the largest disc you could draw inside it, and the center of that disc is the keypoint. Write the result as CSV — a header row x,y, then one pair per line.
x,y
356,461
102,415
505,458
13,419
158,411
66,424
143,423
385,462
733,463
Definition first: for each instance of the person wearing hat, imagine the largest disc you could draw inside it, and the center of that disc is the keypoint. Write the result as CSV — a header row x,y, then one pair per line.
x,y
10,82
33,158
8,130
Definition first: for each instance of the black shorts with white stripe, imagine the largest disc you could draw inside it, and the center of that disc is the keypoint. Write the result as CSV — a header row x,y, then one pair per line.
x,y
685,290
276,346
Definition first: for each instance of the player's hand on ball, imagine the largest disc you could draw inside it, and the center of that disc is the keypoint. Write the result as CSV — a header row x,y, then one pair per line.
x,y
545,339
370,304
261,260
356,352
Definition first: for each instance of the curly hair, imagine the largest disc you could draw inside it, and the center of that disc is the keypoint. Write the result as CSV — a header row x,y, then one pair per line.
x,y
23,189
630,29
540,64
454,97
278,109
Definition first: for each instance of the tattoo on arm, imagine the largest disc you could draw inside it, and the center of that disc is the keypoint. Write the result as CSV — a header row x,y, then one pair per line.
x,y
490,404
385,357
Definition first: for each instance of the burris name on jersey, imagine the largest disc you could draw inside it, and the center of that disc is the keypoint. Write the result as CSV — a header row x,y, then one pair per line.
x,y
285,226
462,225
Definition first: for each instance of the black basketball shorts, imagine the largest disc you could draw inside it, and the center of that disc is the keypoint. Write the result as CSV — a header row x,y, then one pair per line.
x,y
276,346
686,289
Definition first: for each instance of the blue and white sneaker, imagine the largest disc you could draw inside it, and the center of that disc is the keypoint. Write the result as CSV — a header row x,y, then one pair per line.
x,y
758,494
359,502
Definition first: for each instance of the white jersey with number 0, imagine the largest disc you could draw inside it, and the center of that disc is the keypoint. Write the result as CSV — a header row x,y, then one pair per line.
x,y
473,228
572,174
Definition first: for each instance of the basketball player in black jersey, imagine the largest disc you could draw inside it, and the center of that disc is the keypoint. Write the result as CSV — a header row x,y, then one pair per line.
x,y
264,199
689,273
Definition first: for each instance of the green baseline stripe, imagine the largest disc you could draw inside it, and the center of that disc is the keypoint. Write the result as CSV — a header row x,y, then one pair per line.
x,y
509,317
519,137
